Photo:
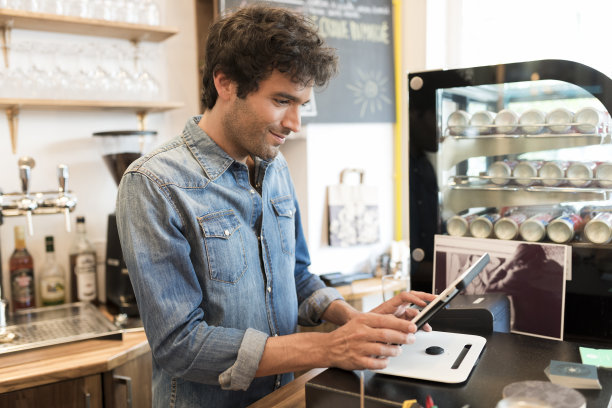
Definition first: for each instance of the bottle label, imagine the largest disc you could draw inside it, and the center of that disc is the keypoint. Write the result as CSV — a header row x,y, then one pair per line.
x,y
23,286
85,269
52,290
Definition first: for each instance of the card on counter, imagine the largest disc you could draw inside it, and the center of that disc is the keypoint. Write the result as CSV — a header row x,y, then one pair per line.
x,y
573,375
597,357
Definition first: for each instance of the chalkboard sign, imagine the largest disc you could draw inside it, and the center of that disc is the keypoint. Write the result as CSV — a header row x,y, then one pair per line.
x,y
362,33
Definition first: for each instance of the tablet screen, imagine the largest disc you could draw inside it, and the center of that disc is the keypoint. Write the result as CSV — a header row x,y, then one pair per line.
x,y
451,291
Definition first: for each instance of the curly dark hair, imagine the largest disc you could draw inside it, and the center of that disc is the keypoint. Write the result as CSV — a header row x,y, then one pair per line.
x,y
250,43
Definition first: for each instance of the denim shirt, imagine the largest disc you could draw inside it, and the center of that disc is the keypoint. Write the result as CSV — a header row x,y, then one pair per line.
x,y
217,267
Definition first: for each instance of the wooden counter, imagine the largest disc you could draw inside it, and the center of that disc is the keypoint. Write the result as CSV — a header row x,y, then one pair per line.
x,y
96,373
292,395
46,365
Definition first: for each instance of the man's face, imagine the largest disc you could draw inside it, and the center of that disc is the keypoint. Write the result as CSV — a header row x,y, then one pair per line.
x,y
258,124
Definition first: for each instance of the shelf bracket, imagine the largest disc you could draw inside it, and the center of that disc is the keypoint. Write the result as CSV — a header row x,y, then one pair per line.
x,y
136,44
12,116
142,120
6,41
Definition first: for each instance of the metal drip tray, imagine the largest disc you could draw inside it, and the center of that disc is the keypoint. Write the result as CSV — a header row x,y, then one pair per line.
x,y
49,326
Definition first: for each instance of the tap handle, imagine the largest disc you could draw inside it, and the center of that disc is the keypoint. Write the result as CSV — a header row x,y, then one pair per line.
x,y
67,220
29,223
24,174
26,161
62,176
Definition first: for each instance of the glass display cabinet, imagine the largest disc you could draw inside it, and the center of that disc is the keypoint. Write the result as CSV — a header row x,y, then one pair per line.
x,y
517,151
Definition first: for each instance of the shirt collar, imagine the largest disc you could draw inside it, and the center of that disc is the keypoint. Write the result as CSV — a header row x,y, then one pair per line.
x,y
213,159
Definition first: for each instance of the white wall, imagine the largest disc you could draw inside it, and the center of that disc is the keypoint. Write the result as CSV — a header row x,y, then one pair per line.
x,y
316,162
54,137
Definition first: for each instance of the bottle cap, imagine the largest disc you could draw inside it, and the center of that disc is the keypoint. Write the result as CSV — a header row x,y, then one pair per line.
x,y
19,232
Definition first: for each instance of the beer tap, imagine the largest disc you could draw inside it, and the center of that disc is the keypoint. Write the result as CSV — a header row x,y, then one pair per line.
x,y
64,201
26,205
45,202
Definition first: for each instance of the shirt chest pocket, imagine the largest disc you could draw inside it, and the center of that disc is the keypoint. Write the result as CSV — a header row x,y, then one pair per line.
x,y
284,209
224,246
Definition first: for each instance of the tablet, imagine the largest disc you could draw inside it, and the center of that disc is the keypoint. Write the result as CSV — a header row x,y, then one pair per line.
x,y
451,291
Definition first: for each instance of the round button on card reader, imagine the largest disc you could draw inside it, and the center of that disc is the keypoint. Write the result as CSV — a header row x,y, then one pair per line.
x,y
434,350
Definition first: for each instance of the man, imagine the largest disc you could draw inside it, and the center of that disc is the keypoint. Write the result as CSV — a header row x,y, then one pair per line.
x,y
211,233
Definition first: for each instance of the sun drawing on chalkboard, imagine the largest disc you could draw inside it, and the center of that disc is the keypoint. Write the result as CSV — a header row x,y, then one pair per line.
x,y
370,92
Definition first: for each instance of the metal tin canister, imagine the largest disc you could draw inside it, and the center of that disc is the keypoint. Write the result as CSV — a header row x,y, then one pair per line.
x,y
580,174
562,229
534,228
506,121
500,172
603,174
599,229
482,227
588,120
459,225
532,121
560,120
552,173
526,172
481,122
508,226
457,122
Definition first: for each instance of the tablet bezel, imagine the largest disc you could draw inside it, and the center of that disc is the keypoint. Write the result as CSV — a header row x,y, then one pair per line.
x,y
451,291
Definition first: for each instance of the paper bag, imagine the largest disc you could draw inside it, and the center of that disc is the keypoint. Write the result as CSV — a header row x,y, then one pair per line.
x,y
353,213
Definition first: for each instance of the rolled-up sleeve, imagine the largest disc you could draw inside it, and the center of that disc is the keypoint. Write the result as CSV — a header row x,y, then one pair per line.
x,y
240,375
311,309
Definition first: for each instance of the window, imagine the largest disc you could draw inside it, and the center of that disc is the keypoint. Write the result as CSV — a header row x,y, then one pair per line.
x,y
463,33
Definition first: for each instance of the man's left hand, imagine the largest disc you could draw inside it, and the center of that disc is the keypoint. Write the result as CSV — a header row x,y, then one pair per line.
x,y
399,305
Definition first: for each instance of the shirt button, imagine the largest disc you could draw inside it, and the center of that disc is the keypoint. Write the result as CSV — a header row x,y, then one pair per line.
x,y
252,191
226,232
269,289
277,384
276,335
290,212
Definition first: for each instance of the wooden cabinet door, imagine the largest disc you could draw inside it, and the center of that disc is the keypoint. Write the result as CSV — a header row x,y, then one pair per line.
x,y
84,392
129,386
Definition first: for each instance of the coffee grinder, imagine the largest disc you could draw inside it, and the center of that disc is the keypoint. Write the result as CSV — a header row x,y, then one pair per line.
x,y
119,149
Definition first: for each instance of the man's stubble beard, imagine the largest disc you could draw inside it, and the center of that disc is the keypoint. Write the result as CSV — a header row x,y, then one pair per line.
x,y
243,128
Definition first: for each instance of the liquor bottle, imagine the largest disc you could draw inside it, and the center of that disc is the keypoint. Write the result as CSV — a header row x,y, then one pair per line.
x,y
83,266
52,279
21,267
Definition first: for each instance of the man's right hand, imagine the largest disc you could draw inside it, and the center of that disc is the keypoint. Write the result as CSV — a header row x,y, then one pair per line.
x,y
367,341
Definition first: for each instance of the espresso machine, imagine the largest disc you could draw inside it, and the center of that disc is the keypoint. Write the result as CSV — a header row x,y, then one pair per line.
x,y
119,149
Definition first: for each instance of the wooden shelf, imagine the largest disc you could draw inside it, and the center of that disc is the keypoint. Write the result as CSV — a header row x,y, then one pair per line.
x,y
10,19
62,104
83,26
366,287
13,106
